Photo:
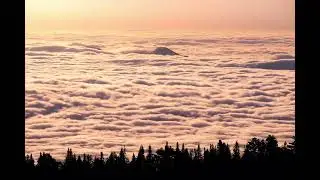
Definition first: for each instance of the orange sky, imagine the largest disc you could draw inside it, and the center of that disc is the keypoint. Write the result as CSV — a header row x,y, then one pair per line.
x,y
103,15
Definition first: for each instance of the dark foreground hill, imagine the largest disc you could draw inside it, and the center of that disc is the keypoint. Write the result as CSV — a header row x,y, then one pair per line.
x,y
261,159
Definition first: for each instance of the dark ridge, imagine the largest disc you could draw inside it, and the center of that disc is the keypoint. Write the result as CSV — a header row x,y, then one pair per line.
x,y
260,159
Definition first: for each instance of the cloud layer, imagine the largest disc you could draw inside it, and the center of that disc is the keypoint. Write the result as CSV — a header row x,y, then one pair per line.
x,y
273,65
86,94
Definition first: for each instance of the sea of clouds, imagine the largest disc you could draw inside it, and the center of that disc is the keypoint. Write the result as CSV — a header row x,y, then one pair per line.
x,y
97,93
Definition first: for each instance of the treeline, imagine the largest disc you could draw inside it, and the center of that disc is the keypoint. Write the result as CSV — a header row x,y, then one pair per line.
x,y
261,159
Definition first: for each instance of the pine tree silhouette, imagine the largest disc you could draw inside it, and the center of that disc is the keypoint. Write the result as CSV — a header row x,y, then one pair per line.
x,y
236,151
272,149
133,159
149,155
259,155
140,159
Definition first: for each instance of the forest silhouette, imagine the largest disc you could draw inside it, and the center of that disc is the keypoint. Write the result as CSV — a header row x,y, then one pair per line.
x,y
261,159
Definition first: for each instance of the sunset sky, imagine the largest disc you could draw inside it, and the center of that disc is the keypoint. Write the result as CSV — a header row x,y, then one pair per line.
x,y
103,15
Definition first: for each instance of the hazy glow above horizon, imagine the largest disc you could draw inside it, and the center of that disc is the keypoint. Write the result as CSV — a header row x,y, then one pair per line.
x,y
82,15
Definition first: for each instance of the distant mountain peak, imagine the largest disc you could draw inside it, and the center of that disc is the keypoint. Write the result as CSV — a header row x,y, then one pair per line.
x,y
164,51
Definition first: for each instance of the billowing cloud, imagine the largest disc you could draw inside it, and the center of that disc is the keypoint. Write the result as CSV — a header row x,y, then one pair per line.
x,y
283,56
200,124
137,51
173,43
79,97
177,83
276,65
37,54
95,81
144,123
92,46
273,65
40,126
143,82
59,49
180,112
49,135
106,128
224,101
177,94
162,117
